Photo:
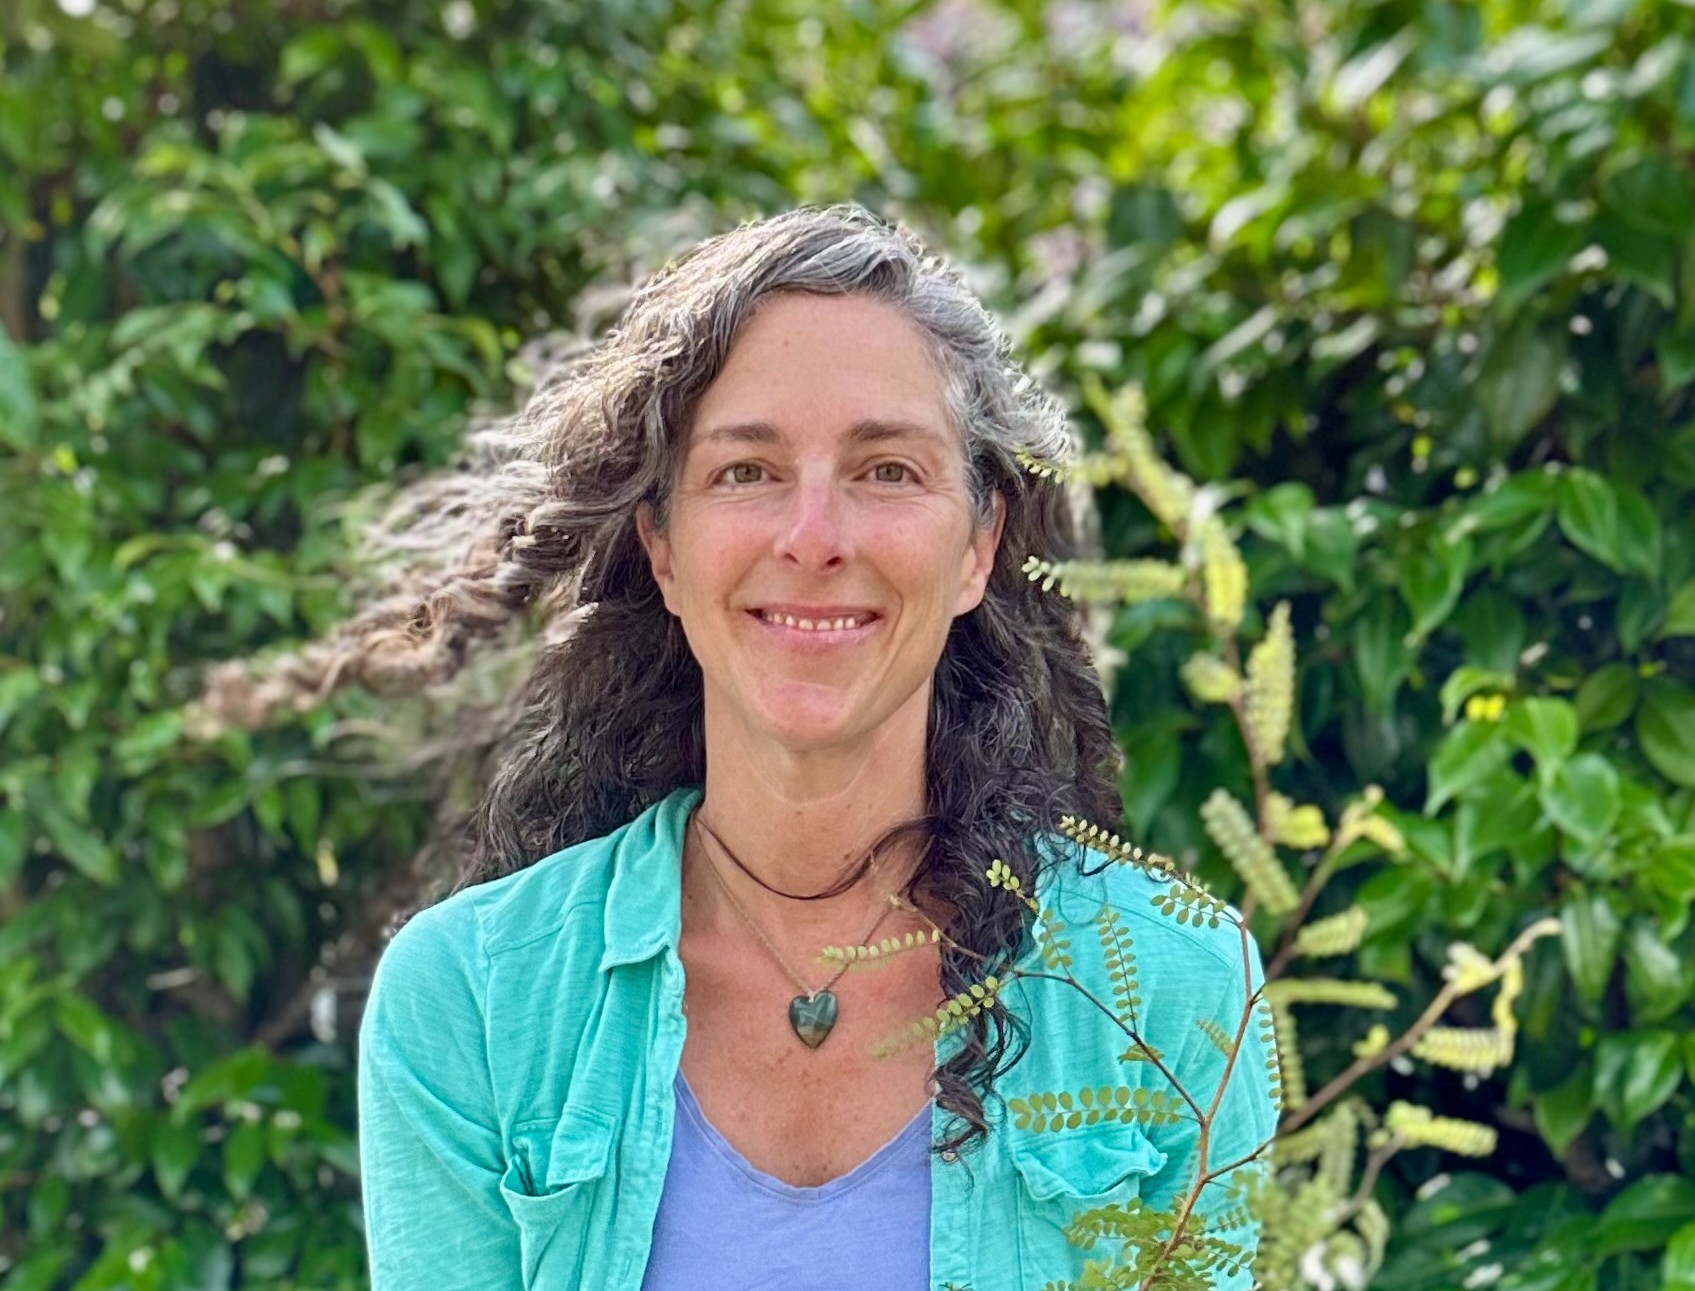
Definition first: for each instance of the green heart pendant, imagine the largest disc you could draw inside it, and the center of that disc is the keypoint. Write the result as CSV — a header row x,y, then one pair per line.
x,y
813,1017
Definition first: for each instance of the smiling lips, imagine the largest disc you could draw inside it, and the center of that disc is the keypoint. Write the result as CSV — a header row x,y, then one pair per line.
x,y
823,624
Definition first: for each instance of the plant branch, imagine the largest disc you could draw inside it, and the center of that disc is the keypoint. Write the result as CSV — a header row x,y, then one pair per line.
x,y
1203,1144
1368,1177
1446,996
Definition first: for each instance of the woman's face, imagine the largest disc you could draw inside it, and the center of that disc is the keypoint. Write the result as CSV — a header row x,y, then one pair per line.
x,y
822,480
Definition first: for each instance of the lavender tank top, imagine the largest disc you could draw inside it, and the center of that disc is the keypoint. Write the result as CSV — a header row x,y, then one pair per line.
x,y
724,1226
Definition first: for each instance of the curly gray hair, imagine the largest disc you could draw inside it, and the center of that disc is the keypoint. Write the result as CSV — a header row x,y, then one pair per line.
x,y
609,718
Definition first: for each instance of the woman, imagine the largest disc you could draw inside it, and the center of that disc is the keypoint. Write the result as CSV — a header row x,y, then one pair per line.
x,y
810,698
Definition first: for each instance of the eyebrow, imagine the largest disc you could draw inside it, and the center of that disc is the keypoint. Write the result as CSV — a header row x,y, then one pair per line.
x,y
868,430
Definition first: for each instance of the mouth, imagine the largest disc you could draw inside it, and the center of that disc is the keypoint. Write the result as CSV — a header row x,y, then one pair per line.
x,y
824,631
826,622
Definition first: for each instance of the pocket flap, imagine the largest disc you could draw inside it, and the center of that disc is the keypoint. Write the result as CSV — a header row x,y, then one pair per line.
x,y
1086,1162
574,1149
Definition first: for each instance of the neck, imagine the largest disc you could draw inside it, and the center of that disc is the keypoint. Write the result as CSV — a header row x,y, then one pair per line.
x,y
801,822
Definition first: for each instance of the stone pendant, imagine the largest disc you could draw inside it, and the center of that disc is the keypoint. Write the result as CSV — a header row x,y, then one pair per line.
x,y
813,1017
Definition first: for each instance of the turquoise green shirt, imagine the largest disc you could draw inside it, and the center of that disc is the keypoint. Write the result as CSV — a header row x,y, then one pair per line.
x,y
519,1045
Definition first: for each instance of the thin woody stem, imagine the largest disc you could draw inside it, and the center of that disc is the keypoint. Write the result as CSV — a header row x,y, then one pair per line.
x,y
1368,1177
1291,930
1203,1144
1135,1038
1068,980
1256,763
1413,1034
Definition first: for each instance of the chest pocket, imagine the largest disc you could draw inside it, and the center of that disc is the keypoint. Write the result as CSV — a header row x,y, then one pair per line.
x,y
550,1184
1062,1174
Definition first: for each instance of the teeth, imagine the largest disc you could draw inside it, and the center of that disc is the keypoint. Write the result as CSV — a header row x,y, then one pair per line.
x,y
810,625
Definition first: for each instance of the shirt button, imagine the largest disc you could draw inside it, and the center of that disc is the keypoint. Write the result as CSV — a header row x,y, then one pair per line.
x,y
949,1155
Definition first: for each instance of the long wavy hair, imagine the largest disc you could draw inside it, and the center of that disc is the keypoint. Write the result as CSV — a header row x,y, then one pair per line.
x,y
609,718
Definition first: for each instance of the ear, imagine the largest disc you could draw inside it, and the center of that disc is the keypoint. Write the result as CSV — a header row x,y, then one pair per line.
x,y
658,549
980,558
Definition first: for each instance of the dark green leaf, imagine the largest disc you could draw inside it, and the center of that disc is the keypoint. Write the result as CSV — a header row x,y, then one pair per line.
x,y
1431,583
1563,1111
1380,654
1658,981
175,1148
1680,614
79,844
1544,728
1606,697
1535,246
1665,723
1645,1215
1589,516
1518,386
1653,195
1582,797
244,1157
1467,755
1635,1073
1516,499
1590,939
19,410
1332,546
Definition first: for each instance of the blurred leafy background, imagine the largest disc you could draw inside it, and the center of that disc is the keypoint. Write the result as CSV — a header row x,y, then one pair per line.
x,y
1413,281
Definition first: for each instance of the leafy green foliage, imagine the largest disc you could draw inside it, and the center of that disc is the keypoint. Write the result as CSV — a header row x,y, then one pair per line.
x,y
1413,277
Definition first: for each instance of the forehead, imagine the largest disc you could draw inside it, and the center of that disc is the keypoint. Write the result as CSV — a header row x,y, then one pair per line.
x,y
846,368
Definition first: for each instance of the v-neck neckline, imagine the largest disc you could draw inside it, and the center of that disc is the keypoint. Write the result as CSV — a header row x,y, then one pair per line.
x,y
689,1106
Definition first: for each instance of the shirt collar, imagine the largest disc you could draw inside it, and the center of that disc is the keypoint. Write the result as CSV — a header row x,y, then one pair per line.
x,y
645,894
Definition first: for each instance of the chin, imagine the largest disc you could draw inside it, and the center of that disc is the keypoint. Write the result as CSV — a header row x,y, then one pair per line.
x,y
809,725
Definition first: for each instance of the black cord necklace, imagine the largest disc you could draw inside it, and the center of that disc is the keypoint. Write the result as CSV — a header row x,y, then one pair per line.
x,y
849,880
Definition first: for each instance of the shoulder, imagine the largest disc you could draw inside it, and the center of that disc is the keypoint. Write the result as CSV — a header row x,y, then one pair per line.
x,y
1081,884
479,923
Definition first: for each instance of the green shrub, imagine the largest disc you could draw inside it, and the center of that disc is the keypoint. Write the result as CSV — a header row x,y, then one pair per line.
x,y
1409,282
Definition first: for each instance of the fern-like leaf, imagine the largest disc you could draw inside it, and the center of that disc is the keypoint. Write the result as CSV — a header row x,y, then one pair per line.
x,y
1188,895
878,953
1094,469
1119,949
1052,1111
953,1014
1216,1034
1166,493
1052,944
1289,1074
1359,820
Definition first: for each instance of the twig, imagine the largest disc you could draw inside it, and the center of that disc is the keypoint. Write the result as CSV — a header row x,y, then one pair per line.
x,y
1446,996
1368,1177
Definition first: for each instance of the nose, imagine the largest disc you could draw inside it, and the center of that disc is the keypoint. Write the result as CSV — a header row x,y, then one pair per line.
x,y
813,531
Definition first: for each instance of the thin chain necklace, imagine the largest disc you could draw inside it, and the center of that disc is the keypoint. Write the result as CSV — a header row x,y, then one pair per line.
x,y
812,1013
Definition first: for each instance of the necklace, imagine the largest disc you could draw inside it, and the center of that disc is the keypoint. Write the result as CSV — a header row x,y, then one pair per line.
x,y
849,878
812,1013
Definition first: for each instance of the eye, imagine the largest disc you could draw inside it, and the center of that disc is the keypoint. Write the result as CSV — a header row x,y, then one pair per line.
x,y
906,472
729,472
